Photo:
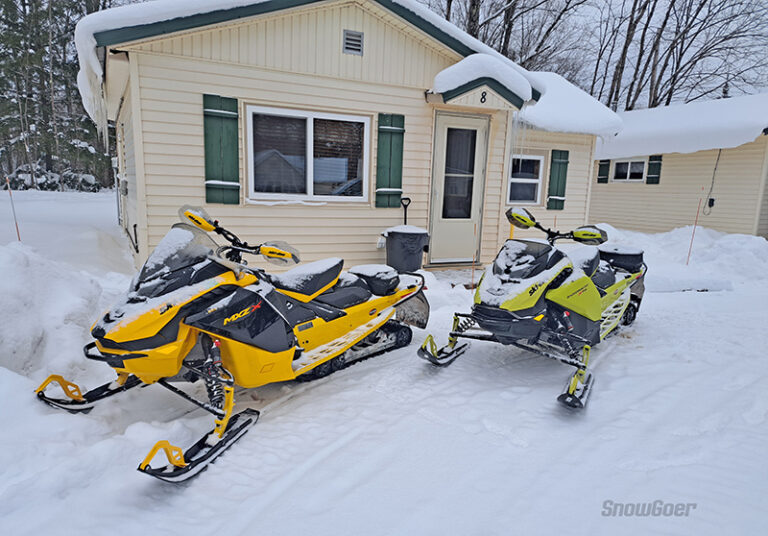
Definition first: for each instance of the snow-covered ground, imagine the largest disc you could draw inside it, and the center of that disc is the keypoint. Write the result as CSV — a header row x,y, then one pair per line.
x,y
393,446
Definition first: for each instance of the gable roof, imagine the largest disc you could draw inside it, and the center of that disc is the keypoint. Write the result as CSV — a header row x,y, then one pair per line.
x,y
688,128
160,17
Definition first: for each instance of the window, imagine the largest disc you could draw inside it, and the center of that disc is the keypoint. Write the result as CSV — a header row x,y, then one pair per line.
x,y
307,155
525,179
629,170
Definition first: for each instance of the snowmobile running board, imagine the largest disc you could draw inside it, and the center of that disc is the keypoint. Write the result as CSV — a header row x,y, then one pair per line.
x,y
79,402
184,465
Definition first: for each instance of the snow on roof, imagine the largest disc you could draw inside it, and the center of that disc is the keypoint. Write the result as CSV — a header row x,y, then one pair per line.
x,y
565,108
482,66
565,113
688,128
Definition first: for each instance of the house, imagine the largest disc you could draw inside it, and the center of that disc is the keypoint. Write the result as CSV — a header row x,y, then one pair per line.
x,y
669,163
307,121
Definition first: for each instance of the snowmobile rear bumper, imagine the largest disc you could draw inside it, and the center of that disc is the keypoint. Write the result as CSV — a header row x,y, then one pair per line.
x,y
414,309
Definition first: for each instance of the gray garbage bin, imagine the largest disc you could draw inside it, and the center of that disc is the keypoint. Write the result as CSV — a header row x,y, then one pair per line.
x,y
405,246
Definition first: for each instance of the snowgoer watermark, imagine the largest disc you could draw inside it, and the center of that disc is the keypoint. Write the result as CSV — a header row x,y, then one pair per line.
x,y
656,508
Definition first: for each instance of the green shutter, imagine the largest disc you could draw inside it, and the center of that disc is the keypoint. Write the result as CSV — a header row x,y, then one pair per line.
x,y
654,169
222,163
603,170
389,160
558,173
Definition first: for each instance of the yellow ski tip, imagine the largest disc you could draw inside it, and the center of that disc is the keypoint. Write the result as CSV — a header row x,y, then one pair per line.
x,y
174,454
70,389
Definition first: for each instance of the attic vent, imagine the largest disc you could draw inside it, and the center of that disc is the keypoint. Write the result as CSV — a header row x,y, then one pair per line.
x,y
353,42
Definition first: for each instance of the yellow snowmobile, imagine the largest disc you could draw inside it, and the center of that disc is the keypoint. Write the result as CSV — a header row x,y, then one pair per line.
x,y
533,297
253,328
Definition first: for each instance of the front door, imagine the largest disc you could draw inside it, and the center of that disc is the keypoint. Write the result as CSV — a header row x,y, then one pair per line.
x,y
458,183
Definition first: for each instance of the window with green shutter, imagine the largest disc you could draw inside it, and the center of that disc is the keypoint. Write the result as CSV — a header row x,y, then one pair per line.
x,y
603,171
654,169
222,163
558,173
389,160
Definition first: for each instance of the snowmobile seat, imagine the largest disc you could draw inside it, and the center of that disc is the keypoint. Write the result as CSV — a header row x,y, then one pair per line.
x,y
380,278
343,297
603,277
590,264
306,281
624,258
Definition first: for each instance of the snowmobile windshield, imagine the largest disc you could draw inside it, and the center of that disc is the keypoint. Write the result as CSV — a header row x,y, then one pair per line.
x,y
183,246
521,259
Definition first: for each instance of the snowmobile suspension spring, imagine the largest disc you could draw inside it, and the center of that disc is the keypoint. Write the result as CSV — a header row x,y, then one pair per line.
x,y
465,324
214,388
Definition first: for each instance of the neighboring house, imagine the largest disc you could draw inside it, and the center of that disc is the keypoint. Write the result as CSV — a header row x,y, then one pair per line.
x,y
653,175
306,121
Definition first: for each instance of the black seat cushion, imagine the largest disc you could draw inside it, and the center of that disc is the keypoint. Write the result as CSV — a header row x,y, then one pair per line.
x,y
308,279
344,297
380,278
604,276
591,263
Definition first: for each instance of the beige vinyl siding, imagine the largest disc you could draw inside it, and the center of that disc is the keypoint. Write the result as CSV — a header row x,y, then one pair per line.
x,y
309,40
294,60
171,92
685,179
580,149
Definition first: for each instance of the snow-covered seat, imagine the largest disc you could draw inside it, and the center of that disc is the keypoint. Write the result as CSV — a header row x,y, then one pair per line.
x,y
308,280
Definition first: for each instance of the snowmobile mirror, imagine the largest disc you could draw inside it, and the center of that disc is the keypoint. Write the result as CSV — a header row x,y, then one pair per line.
x,y
589,234
279,253
198,216
521,218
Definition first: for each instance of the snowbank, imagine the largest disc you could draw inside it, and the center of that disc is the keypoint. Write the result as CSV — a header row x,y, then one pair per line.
x,y
719,261
688,128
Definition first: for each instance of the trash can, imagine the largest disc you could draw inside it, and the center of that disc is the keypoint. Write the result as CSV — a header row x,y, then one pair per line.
x,y
405,245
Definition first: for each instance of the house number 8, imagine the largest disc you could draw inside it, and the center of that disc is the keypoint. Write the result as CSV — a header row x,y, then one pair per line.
x,y
483,97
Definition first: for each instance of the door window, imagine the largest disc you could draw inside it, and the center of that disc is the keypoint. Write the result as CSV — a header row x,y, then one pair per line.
x,y
459,173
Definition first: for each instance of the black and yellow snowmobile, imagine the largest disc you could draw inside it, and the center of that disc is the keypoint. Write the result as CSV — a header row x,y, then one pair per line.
x,y
253,328
533,297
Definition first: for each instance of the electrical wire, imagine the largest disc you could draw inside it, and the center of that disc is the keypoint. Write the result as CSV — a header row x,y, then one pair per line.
x,y
707,208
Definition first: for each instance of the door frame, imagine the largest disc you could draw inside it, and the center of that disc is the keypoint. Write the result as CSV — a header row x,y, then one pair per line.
x,y
434,201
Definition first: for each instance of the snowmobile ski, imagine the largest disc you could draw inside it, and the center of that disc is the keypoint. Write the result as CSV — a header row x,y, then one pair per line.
x,y
184,465
577,398
441,357
79,402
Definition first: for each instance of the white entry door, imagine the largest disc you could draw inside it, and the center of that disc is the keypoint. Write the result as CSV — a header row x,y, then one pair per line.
x,y
458,183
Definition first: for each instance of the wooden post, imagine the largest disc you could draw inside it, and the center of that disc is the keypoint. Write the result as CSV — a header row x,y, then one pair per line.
x,y
13,208
695,223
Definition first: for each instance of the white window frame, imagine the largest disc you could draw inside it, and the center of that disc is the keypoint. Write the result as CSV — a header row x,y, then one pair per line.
x,y
310,116
538,181
629,161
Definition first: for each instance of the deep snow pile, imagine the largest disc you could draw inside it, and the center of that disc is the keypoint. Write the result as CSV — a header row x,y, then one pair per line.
x,y
392,445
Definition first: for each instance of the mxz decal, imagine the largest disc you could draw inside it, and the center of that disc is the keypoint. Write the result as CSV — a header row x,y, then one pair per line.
x,y
245,312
